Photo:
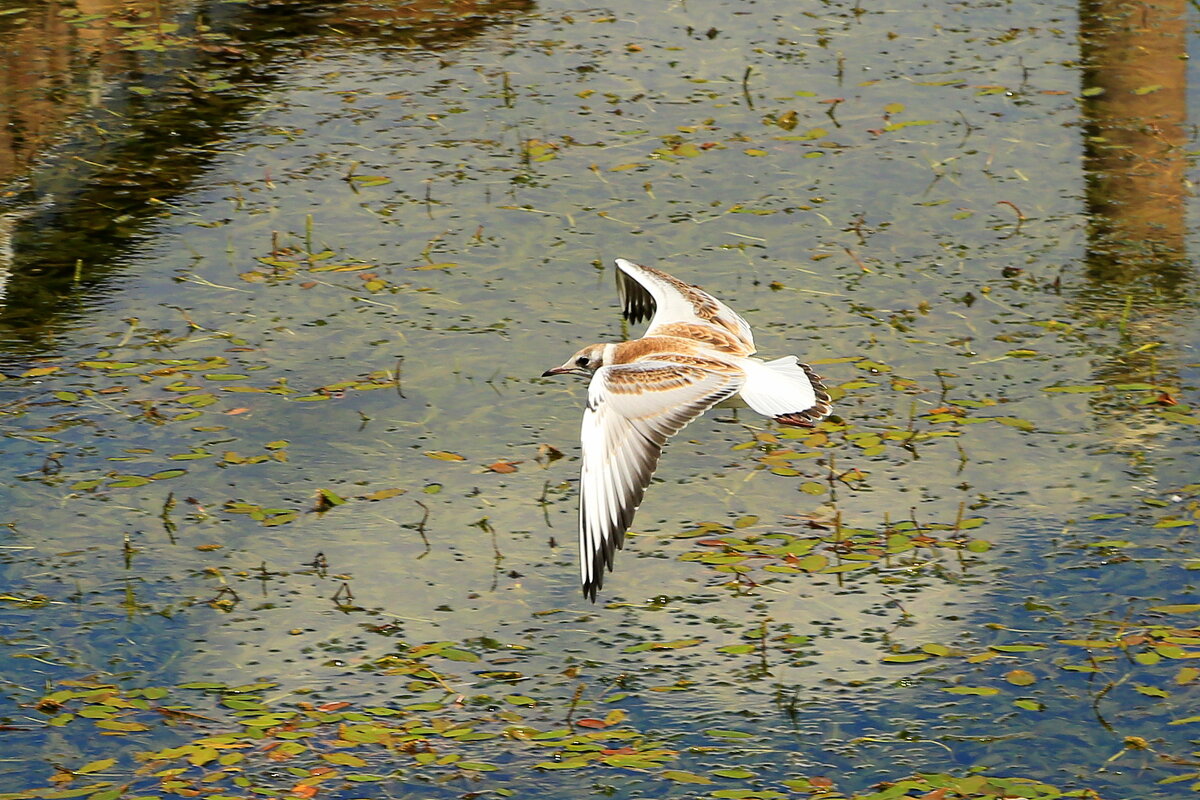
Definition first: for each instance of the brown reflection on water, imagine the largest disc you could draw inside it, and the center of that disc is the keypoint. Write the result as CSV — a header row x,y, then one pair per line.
x,y
1135,55
1135,113
85,160
52,67
57,56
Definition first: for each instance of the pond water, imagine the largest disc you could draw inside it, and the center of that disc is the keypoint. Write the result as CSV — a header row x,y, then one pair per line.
x,y
285,509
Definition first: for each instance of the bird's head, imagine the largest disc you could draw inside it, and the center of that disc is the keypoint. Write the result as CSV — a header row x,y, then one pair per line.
x,y
585,362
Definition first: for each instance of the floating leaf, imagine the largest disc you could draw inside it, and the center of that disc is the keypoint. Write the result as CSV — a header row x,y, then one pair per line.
x,y
382,494
1079,389
443,455
680,776
122,727
344,759
905,658
37,372
1020,677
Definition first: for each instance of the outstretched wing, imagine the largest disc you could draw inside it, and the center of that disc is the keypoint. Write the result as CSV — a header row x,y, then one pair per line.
x,y
632,409
648,292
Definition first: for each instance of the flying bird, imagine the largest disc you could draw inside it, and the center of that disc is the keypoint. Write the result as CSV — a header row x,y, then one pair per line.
x,y
695,353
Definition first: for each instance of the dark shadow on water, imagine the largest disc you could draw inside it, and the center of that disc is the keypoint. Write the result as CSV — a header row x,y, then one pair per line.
x,y
132,129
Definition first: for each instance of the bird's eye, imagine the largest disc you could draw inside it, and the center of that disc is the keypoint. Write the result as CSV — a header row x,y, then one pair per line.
x,y
582,361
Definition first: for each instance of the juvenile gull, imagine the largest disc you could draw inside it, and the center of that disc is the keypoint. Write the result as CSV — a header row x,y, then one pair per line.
x,y
695,353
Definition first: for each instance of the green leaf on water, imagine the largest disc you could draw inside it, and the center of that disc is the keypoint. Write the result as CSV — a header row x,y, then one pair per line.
x,y
129,482
122,727
1076,389
1020,677
905,658
680,776
1016,648
1178,608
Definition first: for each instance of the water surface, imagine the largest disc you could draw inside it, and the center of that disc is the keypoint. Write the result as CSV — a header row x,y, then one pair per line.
x,y
273,438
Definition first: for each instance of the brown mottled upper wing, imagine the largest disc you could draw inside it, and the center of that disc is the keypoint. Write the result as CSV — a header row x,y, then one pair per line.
x,y
632,409
646,292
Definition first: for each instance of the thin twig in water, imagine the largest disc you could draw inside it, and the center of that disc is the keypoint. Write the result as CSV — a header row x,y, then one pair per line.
x,y
421,528
399,388
1020,216
575,702
545,503
857,260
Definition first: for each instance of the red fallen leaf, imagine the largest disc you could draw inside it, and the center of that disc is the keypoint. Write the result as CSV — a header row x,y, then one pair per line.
x,y
824,783
504,467
592,723
320,770
1165,399
711,542
1135,639
308,284
114,390
830,102
304,790
1043,91
235,411
332,706
368,276
620,751
875,131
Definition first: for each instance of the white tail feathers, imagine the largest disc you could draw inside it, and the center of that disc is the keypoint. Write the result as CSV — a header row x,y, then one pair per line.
x,y
784,388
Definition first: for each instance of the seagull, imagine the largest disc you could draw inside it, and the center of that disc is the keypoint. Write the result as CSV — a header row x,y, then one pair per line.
x,y
695,353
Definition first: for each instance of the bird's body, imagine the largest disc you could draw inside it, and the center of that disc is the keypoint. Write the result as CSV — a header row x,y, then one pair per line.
x,y
695,354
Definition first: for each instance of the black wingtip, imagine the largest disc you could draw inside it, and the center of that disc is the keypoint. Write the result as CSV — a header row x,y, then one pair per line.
x,y
822,408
